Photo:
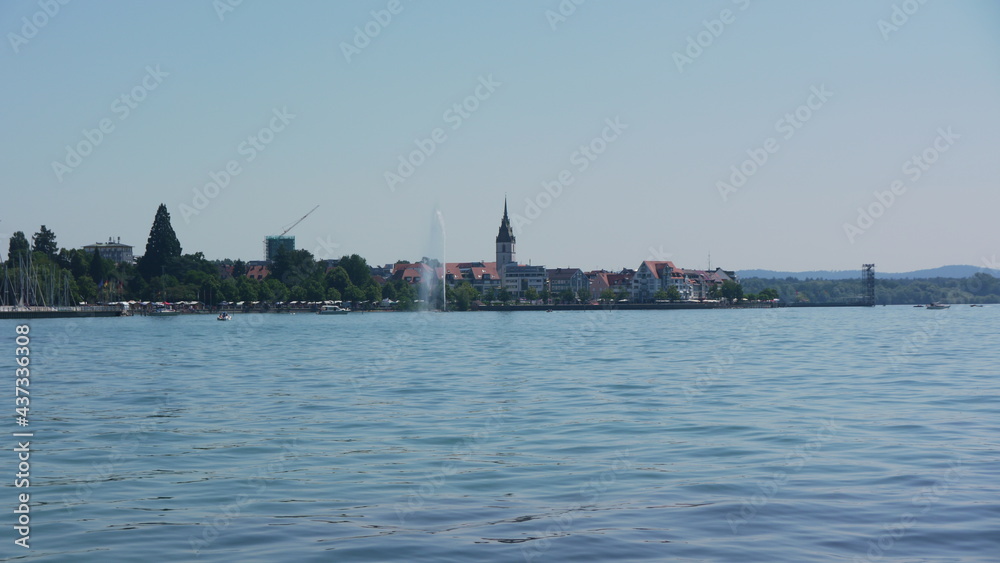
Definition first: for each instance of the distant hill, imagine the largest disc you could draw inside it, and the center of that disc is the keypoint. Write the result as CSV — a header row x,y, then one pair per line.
x,y
942,272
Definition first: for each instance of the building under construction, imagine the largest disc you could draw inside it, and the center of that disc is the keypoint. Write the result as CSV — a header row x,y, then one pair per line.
x,y
276,243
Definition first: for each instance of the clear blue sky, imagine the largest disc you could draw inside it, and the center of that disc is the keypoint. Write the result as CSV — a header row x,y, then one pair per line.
x,y
653,192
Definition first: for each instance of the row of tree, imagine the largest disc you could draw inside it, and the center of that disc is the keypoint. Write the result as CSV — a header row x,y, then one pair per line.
x,y
165,273
980,288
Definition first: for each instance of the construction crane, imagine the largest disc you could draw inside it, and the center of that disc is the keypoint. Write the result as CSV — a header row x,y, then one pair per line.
x,y
273,243
299,221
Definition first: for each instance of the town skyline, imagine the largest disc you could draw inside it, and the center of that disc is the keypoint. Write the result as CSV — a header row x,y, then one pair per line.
x,y
619,133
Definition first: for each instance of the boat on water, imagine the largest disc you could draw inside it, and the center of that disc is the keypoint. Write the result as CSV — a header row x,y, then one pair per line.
x,y
937,306
333,310
164,311
224,316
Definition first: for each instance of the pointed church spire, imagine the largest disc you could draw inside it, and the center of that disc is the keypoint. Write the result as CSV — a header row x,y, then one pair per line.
x,y
506,233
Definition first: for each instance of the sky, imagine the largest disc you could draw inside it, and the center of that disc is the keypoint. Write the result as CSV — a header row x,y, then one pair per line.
x,y
783,135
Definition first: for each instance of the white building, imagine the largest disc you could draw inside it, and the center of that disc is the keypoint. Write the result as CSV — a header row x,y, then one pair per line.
x,y
112,250
517,278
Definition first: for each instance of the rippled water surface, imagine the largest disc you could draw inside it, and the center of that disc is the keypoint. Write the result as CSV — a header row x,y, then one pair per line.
x,y
730,435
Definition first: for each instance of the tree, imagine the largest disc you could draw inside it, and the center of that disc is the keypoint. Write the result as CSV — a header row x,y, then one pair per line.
x,y
87,288
567,296
298,293
277,289
65,258
545,295
768,294
607,295
490,295
357,269
504,295
354,294
17,249
247,289
389,292
661,295
583,294
673,293
78,263
161,246
531,294
98,269
44,241
465,294
338,279
731,290
239,269
293,267
314,290
373,292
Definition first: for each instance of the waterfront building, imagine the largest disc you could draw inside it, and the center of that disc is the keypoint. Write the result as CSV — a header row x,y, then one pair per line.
x,y
653,276
483,276
561,279
598,282
621,281
517,278
112,250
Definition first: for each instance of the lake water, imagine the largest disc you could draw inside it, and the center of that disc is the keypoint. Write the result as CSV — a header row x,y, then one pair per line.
x,y
723,435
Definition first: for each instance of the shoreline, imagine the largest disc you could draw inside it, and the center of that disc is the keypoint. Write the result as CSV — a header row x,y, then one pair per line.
x,y
99,311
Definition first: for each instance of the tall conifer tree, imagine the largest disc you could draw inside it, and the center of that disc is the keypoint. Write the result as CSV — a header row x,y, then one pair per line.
x,y
161,246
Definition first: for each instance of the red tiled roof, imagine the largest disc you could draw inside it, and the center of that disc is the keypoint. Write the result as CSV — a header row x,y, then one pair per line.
x,y
657,266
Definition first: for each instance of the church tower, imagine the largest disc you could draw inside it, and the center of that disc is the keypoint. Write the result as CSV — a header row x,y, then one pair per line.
x,y
505,242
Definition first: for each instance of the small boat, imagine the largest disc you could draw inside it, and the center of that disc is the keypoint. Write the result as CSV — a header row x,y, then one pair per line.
x,y
937,306
224,316
975,305
333,310
166,311
918,305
